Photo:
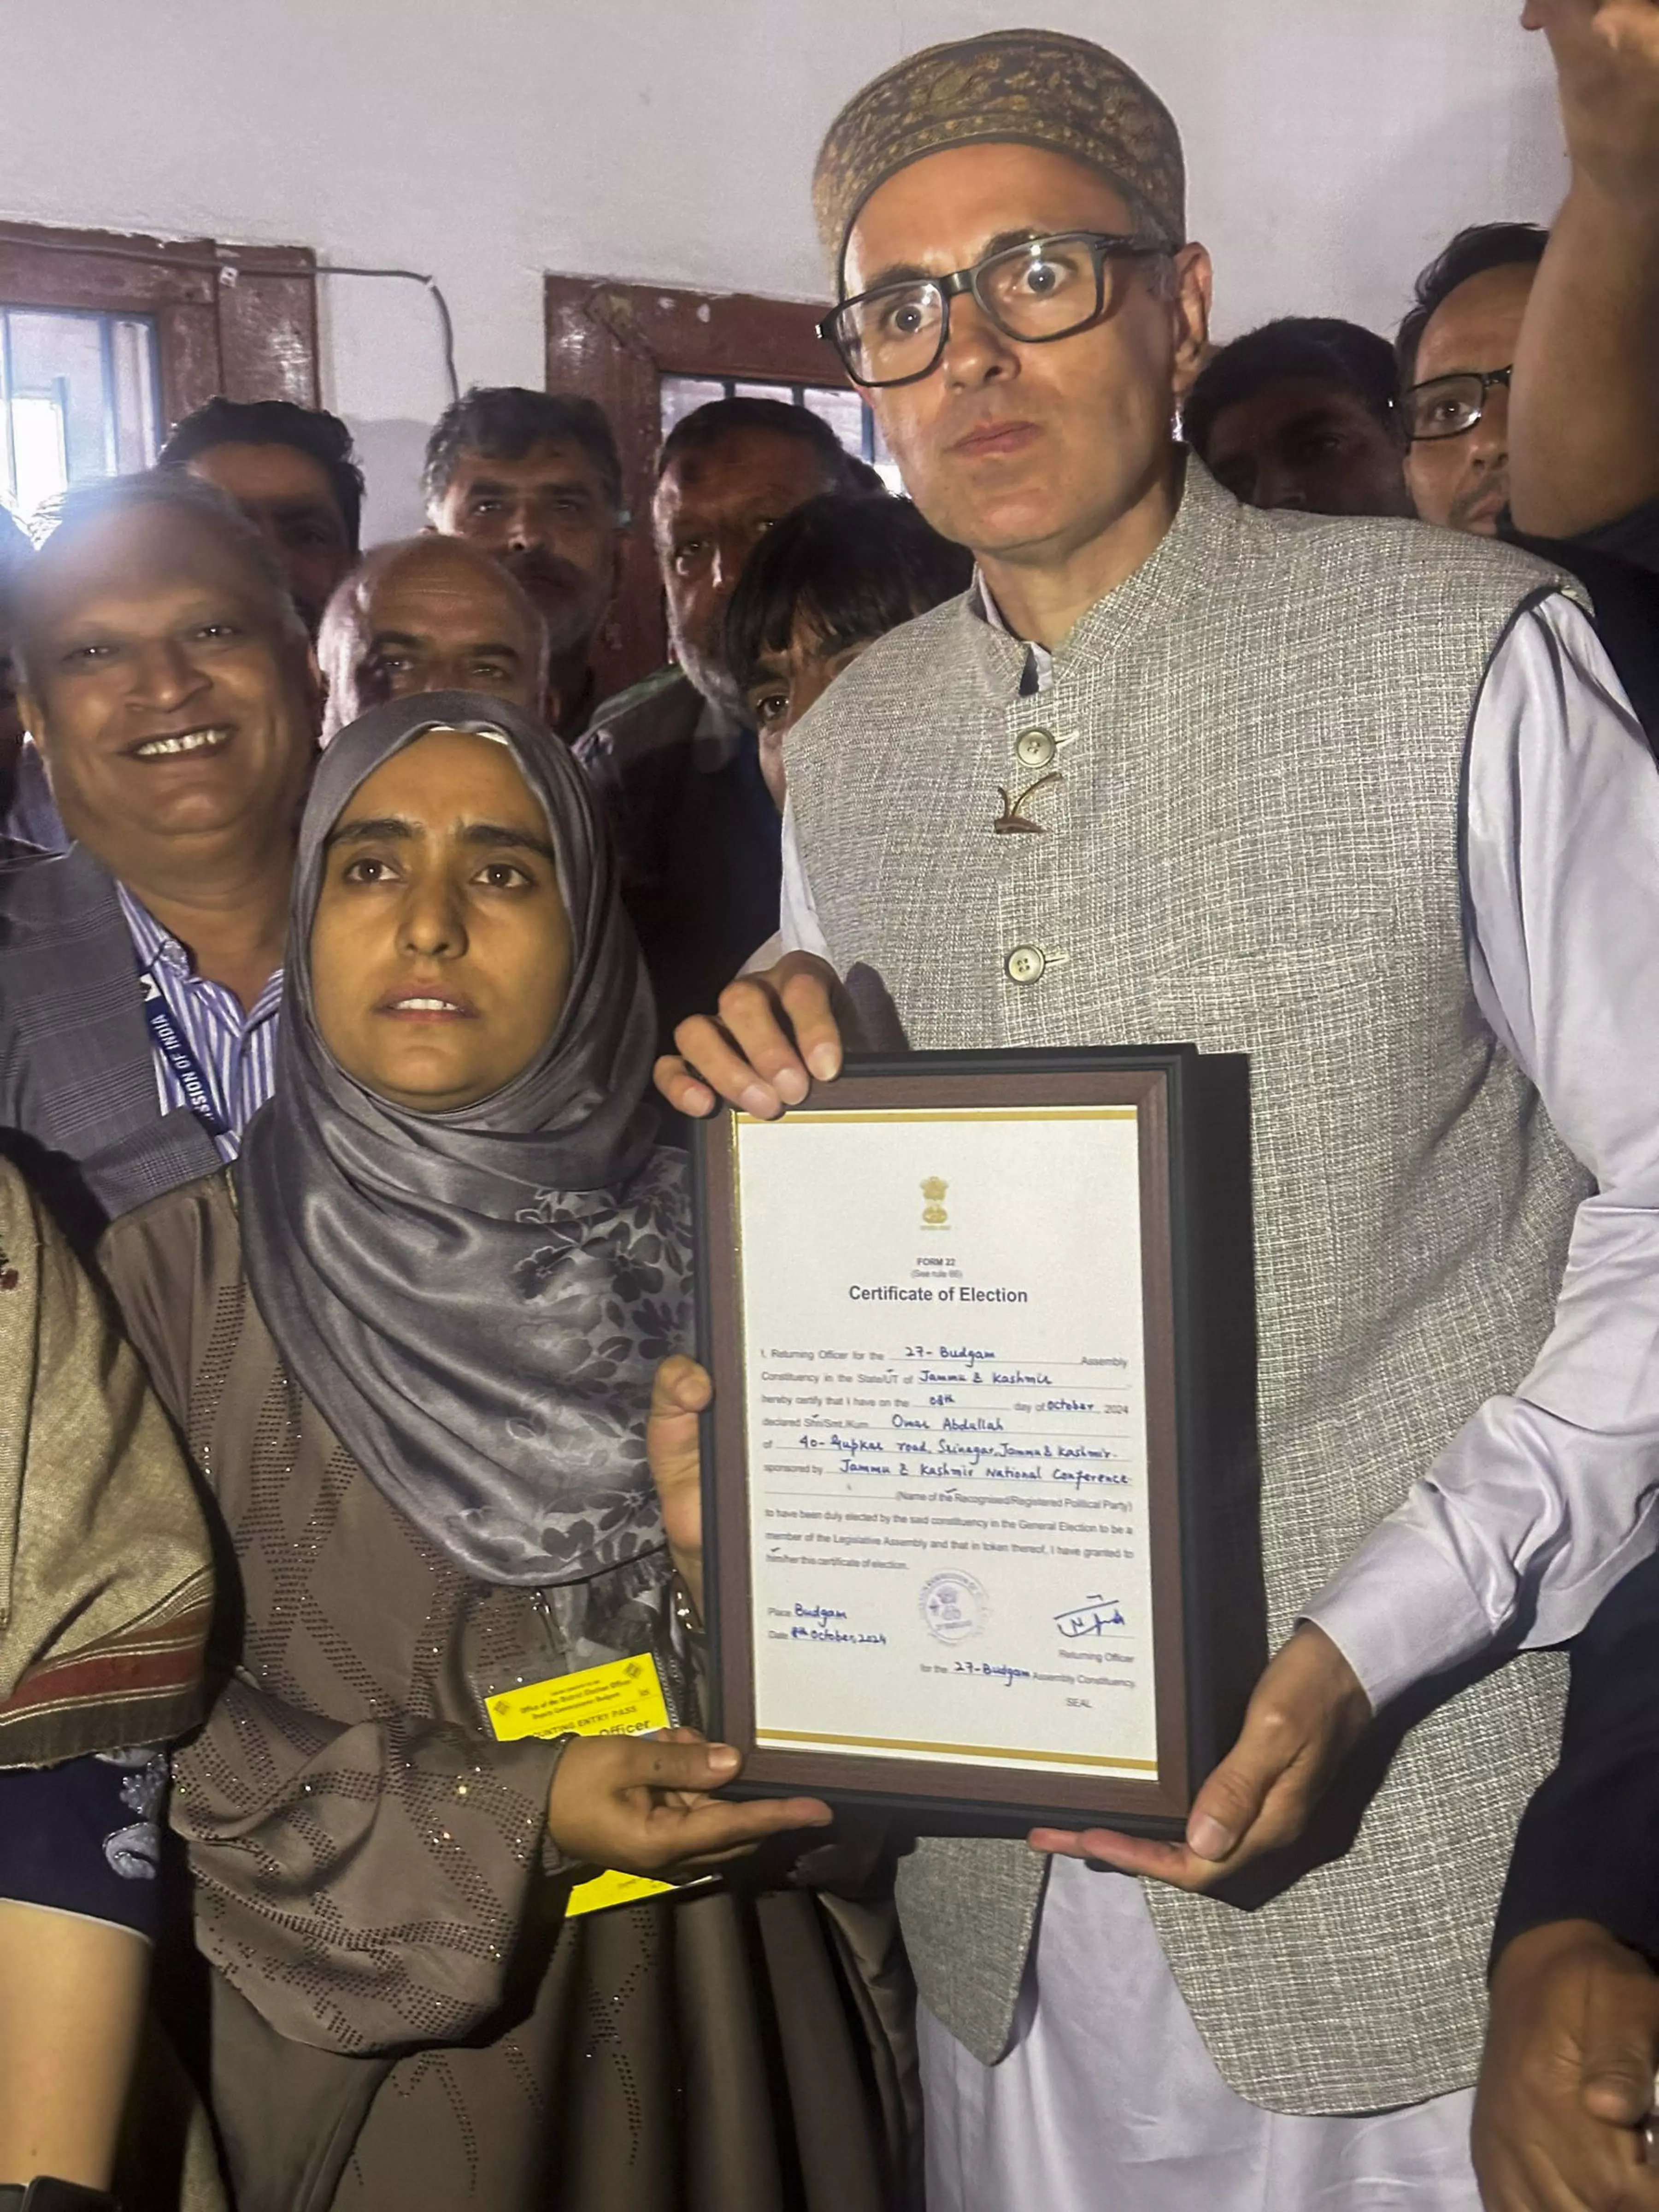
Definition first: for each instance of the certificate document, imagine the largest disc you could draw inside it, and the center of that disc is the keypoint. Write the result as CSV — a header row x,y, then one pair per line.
x,y
953,1504
947,1413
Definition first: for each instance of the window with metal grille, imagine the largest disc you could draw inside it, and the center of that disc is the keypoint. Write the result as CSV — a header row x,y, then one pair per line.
x,y
843,410
79,397
106,339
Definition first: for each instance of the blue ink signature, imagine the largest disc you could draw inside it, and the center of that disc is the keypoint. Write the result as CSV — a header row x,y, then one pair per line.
x,y
1092,1618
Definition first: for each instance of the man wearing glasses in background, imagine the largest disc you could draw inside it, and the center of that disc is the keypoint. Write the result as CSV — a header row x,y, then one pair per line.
x,y
1363,801
1456,348
1529,359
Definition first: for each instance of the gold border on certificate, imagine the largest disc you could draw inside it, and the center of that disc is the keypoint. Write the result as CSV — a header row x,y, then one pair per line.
x,y
1004,1754
953,1700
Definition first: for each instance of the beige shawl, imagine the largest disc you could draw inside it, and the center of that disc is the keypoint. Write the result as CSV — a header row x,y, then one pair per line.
x,y
105,1582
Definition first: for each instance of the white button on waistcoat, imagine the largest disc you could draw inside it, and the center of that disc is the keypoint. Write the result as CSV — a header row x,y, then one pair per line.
x,y
1025,964
1035,748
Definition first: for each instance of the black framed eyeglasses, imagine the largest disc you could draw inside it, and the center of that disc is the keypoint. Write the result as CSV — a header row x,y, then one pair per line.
x,y
1448,406
1043,289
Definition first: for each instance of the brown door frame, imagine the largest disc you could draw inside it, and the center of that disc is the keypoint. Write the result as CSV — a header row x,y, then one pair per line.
x,y
615,343
236,319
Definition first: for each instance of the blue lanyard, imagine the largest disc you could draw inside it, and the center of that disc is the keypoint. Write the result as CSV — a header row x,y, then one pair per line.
x,y
187,1068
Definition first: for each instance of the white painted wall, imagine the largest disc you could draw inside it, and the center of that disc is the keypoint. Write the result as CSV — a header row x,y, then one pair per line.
x,y
1333,145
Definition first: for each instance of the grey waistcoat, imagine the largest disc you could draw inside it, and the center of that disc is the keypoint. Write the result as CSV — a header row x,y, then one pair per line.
x,y
1254,847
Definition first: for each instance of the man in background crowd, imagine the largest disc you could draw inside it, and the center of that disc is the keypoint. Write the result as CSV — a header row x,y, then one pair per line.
x,y
1301,413
292,472
674,762
817,593
430,614
1304,413
168,681
1456,350
1312,412
534,478
1523,409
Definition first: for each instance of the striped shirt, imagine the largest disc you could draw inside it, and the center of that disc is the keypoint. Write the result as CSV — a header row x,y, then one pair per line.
x,y
223,1061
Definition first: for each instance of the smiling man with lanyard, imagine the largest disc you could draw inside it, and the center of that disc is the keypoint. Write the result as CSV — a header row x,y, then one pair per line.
x,y
168,680
1361,799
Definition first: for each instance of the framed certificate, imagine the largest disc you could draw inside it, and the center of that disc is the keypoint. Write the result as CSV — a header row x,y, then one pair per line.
x,y
978,1509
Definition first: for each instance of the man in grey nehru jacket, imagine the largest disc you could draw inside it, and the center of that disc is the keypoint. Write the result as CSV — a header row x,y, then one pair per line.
x,y
1362,800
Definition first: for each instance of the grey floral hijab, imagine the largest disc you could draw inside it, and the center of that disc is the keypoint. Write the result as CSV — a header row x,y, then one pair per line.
x,y
476,1300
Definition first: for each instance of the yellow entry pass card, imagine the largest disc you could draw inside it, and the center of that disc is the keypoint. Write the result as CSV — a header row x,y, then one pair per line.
x,y
624,1698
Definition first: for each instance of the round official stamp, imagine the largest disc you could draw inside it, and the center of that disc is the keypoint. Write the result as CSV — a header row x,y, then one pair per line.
x,y
954,1607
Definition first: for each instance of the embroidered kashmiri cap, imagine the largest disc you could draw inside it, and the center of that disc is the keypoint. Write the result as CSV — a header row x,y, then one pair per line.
x,y
1027,88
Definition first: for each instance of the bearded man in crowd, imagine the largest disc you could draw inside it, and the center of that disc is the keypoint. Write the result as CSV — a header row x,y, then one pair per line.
x,y
674,762
534,478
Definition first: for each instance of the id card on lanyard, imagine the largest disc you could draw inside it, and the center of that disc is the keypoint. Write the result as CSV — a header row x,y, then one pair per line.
x,y
170,1042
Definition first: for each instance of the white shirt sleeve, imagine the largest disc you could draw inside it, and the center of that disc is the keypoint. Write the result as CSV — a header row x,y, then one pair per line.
x,y
1544,1499
798,916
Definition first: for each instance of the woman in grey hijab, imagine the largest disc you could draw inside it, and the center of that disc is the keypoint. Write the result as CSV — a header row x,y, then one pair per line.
x,y
411,1342
476,1296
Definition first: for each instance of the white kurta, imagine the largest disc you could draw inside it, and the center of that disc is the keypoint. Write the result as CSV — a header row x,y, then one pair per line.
x,y
1108,2100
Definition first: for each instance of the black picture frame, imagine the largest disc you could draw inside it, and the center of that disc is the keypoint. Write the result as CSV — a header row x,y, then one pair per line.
x,y
1208,1633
